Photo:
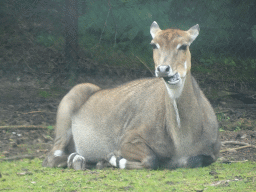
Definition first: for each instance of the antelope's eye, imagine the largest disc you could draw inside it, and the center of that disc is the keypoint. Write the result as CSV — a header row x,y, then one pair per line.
x,y
183,47
154,46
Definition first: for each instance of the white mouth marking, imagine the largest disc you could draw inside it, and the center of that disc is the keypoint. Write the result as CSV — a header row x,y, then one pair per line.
x,y
173,82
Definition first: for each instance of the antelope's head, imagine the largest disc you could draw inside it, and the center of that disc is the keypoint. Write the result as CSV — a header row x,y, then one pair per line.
x,y
171,53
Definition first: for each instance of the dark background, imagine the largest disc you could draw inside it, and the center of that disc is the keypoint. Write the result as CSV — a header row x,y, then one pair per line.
x,y
67,37
48,46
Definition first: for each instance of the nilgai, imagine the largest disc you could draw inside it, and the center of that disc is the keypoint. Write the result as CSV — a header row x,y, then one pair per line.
x,y
164,121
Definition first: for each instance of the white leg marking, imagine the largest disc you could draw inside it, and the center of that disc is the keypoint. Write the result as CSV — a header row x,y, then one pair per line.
x,y
78,163
185,65
78,158
177,112
58,153
122,163
112,161
69,159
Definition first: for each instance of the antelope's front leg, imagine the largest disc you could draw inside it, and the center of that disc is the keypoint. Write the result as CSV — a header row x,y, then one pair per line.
x,y
134,154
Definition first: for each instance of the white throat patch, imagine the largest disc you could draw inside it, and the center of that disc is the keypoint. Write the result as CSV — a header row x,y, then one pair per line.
x,y
174,94
176,112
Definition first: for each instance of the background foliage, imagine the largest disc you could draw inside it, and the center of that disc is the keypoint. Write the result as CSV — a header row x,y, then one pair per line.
x,y
115,33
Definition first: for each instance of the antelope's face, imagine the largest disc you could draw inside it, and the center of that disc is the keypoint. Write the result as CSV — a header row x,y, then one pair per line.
x,y
171,53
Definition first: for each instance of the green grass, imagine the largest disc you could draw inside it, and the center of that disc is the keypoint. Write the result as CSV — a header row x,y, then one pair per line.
x,y
29,175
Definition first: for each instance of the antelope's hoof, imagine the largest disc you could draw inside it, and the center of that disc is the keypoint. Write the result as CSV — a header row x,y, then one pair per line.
x,y
55,160
76,161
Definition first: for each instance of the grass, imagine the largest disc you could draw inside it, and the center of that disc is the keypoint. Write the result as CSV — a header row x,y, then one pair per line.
x,y
29,175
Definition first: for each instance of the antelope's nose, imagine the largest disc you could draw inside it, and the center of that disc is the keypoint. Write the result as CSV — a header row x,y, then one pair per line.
x,y
163,70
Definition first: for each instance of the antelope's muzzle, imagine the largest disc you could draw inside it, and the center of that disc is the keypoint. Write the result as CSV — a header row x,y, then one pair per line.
x,y
172,80
163,71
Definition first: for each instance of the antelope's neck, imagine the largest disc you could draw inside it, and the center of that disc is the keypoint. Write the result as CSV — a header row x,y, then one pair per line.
x,y
179,98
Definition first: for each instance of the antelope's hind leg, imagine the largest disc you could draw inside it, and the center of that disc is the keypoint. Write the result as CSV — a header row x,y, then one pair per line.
x,y
63,143
57,157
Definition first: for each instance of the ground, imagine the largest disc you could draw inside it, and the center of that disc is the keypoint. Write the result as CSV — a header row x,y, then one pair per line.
x,y
28,106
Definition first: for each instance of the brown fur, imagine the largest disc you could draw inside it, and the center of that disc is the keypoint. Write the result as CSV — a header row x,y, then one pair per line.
x,y
150,123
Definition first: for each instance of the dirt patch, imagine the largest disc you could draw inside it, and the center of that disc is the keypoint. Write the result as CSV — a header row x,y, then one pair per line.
x,y
18,143
240,146
28,100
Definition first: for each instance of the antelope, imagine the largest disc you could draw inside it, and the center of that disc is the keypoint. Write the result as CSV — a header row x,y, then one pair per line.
x,y
165,121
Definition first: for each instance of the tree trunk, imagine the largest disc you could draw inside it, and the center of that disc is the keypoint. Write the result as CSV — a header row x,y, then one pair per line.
x,y
71,36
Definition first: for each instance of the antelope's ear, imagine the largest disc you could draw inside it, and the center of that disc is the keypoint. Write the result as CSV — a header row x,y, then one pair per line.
x,y
154,28
193,32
